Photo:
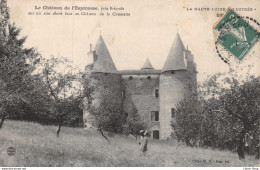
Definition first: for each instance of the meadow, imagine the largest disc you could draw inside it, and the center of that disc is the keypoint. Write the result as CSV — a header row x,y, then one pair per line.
x,y
37,145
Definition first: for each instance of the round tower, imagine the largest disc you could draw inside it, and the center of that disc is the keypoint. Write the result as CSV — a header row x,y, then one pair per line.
x,y
176,83
107,80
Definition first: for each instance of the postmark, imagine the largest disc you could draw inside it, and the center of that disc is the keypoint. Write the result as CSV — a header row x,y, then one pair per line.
x,y
235,35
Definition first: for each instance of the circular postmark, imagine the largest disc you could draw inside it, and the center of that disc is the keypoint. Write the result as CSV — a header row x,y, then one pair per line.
x,y
11,151
224,54
235,36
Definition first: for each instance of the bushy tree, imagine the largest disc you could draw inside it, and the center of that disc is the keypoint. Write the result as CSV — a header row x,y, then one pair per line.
x,y
187,121
225,117
33,88
16,65
133,124
104,112
63,82
242,102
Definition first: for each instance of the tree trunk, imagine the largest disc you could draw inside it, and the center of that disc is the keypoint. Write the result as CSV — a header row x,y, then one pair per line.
x,y
240,152
257,151
58,130
99,129
2,121
240,146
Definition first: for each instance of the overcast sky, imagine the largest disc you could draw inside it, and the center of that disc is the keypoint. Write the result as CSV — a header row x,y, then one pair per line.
x,y
148,32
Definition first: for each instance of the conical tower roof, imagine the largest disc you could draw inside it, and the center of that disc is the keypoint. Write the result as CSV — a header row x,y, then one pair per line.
x,y
104,62
147,64
175,59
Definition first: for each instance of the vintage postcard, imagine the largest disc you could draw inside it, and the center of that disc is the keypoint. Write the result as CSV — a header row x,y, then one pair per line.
x,y
129,83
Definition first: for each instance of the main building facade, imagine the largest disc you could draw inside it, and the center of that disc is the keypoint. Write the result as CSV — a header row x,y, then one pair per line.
x,y
153,94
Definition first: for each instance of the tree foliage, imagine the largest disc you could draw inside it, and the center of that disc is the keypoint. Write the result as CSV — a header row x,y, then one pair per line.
x,y
33,88
104,111
16,65
133,124
63,83
226,116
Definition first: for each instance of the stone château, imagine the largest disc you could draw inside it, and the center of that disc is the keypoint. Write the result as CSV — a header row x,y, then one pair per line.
x,y
152,93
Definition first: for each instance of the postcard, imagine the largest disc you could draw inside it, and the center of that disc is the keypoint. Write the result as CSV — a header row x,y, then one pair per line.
x,y
129,83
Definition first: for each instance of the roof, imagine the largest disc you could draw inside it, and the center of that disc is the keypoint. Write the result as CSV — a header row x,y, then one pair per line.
x,y
175,59
147,64
139,72
104,62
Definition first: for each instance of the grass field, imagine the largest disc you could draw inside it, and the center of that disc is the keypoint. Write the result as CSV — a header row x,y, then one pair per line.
x,y
37,145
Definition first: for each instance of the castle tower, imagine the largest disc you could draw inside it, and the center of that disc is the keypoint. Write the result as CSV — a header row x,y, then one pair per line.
x,y
176,82
107,78
147,64
102,60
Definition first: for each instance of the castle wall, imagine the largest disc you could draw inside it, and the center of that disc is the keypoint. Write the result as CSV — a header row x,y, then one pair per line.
x,y
173,88
107,86
140,96
109,82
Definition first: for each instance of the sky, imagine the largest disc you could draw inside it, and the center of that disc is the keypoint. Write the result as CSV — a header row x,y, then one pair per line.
x,y
148,32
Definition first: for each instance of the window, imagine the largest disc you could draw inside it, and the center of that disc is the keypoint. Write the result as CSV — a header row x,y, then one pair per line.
x,y
123,94
155,116
156,134
156,93
173,112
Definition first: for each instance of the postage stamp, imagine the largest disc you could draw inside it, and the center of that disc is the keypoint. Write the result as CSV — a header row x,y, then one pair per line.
x,y
235,34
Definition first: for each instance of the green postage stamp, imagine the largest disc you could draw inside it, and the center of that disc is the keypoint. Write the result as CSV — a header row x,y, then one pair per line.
x,y
235,34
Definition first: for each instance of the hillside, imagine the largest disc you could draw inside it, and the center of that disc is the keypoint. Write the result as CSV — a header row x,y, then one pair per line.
x,y
37,145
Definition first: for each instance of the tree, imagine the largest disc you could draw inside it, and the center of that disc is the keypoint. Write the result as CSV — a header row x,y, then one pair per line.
x,y
16,65
187,122
242,103
226,116
104,114
25,92
133,124
64,87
